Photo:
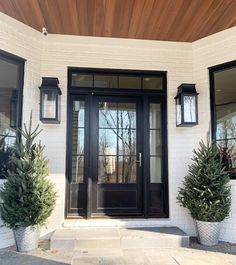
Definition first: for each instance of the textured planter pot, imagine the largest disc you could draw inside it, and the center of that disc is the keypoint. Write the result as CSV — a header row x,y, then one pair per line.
x,y
208,232
26,238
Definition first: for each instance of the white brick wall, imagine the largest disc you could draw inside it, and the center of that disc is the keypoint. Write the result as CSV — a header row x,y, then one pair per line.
x,y
216,49
185,62
18,39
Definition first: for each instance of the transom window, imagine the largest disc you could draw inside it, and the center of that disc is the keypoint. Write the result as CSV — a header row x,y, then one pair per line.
x,y
122,81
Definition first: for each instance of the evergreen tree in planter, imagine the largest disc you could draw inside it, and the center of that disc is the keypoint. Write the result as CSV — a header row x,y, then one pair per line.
x,y
206,192
28,196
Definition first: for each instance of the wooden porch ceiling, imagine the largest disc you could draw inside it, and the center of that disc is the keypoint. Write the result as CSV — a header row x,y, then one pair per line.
x,y
172,20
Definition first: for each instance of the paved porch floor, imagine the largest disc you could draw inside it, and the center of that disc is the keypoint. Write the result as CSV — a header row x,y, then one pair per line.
x,y
223,254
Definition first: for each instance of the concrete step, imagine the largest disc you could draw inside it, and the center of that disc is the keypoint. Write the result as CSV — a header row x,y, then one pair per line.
x,y
84,239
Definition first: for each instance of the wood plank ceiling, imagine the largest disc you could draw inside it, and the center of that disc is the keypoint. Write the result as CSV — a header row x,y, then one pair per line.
x,y
172,20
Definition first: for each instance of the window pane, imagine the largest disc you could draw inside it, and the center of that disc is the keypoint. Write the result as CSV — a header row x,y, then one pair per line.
x,y
107,81
153,83
127,169
77,169
226,121
155,169
107,141
127,115
77,141
189,109
155,142
107,169
82,80
228,149
225,86
8,111
78,113
9,76
130,82
107,115
155,116
8,140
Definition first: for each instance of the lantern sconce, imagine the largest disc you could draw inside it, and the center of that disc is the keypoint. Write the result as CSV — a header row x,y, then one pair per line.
x,y
50,100
186,105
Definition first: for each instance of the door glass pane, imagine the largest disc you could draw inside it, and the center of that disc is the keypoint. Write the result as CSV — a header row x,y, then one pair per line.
x,y
127,142
122,133
107,115
106,81
82,80
150,82
78,113
107,141
77,141
155,169
133,82
127,169
77,169
107,169
127,115
155,116
155,142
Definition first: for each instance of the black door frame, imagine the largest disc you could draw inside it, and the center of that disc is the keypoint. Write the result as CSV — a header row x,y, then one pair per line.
x,y
147,97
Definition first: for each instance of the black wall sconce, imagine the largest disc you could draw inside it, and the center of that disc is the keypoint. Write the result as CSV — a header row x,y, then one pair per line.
x,y
50,100
186,105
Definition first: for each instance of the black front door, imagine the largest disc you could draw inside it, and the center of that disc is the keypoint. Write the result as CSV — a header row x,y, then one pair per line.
x,y
117,156
116,146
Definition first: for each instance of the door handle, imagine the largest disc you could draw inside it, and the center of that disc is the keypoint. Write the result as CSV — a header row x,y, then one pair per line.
x,y
139,161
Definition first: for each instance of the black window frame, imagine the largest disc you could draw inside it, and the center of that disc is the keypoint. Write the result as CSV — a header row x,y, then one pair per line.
x,y
212,71
119,72
14,59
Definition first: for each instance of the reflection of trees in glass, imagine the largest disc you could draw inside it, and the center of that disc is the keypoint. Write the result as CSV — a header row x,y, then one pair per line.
x,y
126,139
77,145
226,130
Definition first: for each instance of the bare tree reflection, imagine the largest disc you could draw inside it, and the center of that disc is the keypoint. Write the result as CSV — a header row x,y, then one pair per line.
x,y
122,125
226,135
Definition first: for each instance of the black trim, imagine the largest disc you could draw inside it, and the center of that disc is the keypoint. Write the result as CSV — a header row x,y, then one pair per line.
x,y
11,58
148,96
212,70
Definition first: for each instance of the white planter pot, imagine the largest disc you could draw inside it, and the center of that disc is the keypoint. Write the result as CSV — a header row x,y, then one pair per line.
x,y
208,232
26,238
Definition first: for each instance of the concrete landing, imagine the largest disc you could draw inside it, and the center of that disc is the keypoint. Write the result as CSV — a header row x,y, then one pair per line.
x,y
85,239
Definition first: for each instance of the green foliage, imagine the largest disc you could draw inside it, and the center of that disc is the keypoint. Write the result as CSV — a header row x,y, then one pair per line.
x,y
206,191
28,196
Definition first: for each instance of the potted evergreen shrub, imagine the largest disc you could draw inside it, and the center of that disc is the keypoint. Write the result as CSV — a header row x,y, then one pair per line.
x,y
206,192
28,197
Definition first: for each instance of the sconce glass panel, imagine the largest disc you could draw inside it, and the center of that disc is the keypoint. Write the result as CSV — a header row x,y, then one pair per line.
x,y
49,99
189,108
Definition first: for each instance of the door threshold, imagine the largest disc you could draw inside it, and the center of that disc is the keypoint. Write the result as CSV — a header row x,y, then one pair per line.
x,y
121,222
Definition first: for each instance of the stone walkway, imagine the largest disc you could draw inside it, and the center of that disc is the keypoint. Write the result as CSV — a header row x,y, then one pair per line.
x,y
195,255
